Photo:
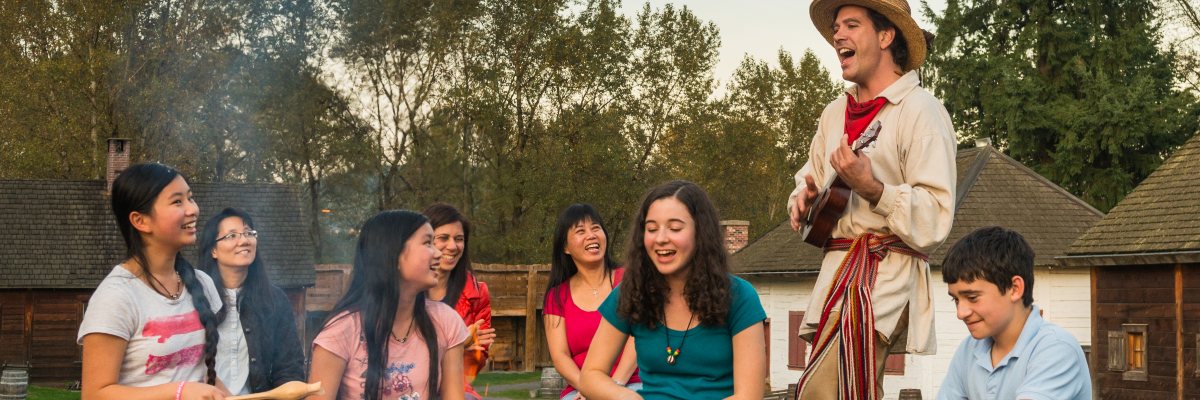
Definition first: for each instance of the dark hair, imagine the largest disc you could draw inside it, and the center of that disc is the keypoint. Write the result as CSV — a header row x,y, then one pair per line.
x,y
374,294
707,290
993,254
562,265
441,214
899,47
135,190
255,297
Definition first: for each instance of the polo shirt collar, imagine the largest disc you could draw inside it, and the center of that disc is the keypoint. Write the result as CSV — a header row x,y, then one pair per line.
x,y
983,352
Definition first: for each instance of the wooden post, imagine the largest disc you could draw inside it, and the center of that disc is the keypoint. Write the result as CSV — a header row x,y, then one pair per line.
x,y
27,329
1097,331
1179,382
531,344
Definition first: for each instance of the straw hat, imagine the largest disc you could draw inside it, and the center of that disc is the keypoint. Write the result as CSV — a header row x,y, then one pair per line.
x,y
824,11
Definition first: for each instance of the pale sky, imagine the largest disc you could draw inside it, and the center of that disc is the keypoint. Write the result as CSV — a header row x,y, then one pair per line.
x,y
762,27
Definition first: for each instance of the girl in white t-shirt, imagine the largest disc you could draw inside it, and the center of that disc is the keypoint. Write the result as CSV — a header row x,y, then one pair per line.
x,y
149,331
384,340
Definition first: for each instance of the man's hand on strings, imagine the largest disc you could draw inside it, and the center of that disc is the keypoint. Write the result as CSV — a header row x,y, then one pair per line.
x,y
803,203
855,170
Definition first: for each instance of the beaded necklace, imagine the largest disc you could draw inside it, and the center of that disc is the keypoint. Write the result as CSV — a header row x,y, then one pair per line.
x,y
673,354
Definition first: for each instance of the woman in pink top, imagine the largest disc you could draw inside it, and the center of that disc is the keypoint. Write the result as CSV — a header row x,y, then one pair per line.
x,y
581,277
384,340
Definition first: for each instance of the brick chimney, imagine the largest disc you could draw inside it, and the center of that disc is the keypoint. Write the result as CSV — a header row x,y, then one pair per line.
x,y
118,160
737,234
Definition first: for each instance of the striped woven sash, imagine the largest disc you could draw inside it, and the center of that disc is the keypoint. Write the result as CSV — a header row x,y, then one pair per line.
x,y
851,289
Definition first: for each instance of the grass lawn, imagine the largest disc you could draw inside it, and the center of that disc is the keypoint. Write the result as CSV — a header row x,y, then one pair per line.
x,y
505,378
484,379
46,393
516,394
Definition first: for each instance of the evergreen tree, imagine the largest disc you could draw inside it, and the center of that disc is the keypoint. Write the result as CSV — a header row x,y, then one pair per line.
x,y
1079,90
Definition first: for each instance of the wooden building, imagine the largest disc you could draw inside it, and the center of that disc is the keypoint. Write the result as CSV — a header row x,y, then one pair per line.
x,y
1144,258
60,240
992,189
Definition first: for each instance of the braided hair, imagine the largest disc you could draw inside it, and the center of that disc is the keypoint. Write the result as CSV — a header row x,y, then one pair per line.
x,y
135,190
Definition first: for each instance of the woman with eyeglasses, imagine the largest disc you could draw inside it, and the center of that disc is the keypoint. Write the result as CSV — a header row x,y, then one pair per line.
x,y
258,348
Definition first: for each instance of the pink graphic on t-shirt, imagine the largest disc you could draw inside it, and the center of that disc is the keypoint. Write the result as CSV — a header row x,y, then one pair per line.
x,y
184,358
172,325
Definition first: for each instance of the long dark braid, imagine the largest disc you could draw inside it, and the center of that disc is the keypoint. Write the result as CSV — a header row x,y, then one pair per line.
x,y
207,317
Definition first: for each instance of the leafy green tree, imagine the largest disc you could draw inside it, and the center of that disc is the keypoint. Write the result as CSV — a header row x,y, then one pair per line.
x,y
673,56
397,56
1079,90
756,138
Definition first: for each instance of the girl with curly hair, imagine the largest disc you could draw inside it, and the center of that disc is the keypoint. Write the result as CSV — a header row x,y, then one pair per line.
x,y
678,295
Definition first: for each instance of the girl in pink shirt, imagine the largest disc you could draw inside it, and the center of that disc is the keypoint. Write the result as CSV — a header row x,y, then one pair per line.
x,y
384,340
581,276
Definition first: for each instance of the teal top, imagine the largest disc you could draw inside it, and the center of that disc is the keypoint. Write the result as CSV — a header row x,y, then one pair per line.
x,y
704,367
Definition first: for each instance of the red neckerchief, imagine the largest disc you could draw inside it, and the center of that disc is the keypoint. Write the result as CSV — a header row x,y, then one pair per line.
x,y
859,115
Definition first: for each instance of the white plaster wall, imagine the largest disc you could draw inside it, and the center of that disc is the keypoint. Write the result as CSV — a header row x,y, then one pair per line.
x,y
1063,293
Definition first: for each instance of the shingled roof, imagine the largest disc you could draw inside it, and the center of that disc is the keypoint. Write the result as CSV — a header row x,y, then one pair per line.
x,y
993,189
1158,222
61,234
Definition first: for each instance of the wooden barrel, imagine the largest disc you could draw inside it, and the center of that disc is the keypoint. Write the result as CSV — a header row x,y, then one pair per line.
x,y
14,383
910,394
552,383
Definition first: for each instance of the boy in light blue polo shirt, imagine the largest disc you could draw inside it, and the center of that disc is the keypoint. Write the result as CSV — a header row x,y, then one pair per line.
x,y
1012,352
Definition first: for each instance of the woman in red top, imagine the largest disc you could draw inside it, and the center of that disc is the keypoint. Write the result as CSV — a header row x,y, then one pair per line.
x,y
458,288
581,276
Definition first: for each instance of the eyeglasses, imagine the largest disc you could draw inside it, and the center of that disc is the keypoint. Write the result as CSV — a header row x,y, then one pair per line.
x,y
249,234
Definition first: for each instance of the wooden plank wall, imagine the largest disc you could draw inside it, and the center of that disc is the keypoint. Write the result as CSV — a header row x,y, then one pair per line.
x,y
332,281
517,292
1191,330
1136,295
46,321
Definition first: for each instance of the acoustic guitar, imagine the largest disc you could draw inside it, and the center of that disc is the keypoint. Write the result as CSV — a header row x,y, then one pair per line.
x,y
822,217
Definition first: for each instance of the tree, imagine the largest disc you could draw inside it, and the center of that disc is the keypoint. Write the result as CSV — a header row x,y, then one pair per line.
x,y
756,137
397,55
1182,25
673,56
1078,90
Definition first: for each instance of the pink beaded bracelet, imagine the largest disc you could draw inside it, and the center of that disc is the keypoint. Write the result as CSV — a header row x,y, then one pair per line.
x,y
179,390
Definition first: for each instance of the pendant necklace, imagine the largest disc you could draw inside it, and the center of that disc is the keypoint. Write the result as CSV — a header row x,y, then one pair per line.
x,y
673,354
595,289
167,293
405,338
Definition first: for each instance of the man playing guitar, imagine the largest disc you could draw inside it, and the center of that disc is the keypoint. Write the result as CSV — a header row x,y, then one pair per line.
x,y
873,288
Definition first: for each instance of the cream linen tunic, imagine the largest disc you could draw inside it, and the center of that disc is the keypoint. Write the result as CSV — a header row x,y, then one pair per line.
x,y
914,158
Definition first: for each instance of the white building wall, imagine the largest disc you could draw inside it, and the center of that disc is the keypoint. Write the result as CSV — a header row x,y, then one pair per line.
x,y
1063,293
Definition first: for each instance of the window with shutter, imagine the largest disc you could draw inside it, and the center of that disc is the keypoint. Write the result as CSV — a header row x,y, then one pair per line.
x,y
1135,352
797,347
1116,351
